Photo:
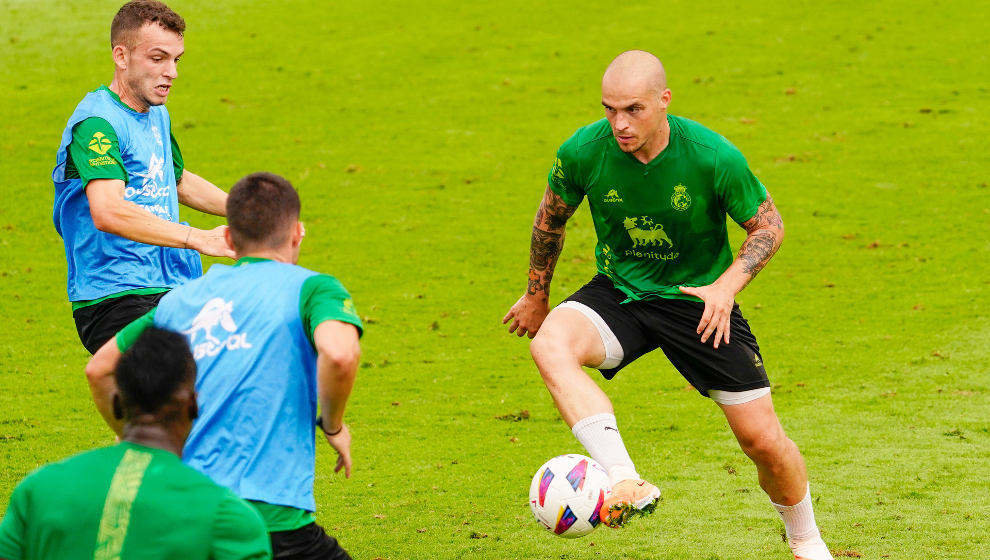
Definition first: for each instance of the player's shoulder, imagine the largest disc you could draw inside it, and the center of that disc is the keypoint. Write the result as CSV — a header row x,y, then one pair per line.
x,y
701,137
324,284
58,472
589,139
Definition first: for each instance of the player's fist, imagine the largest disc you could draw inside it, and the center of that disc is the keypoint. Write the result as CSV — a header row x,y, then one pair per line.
x,y
527,315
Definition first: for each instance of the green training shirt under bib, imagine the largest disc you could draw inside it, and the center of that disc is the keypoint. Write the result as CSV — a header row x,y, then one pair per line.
x,y
128,501
661,224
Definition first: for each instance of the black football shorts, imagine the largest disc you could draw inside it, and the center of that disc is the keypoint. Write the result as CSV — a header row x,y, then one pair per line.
x,y
632,329
98,323
309,542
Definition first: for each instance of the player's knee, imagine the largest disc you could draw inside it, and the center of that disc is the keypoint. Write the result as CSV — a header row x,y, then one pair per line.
x,y
549,346
765,447
93,374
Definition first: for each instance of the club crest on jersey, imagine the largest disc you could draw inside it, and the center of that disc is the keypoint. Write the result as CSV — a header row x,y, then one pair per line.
x,y
215,312
649,240
680,200
612,196
100,143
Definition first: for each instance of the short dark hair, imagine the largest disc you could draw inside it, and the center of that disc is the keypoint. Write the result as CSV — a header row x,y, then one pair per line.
x,y
151,371
133,15
261,208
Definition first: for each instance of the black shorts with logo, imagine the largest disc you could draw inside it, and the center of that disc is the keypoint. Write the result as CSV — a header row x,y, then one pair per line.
x,y
671,325
96,324
309,542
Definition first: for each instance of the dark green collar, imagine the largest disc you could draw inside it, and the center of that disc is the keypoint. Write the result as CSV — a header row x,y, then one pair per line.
x,y
116,98
246,260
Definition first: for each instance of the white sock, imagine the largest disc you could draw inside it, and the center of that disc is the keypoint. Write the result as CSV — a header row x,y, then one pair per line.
x,y
599,434
799,520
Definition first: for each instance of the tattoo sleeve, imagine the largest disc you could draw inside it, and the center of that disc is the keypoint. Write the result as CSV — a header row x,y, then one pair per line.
x,y
547,242
765,232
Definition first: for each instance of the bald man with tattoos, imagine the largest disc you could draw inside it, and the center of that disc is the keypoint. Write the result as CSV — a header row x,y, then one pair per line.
x,y
659,188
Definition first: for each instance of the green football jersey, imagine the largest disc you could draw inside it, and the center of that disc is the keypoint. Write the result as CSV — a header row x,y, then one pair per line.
x,y
128,501
661,224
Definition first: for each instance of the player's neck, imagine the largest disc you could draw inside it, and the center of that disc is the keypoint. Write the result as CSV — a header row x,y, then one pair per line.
x,y
656,145
155,435
283,255
127,96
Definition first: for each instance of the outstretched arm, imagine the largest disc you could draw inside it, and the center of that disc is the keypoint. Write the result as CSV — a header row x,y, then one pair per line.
x,y
765,231
547,242
112,213
200,194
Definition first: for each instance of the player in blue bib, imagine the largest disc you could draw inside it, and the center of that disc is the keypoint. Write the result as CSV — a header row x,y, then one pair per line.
x,y
271,341
119,180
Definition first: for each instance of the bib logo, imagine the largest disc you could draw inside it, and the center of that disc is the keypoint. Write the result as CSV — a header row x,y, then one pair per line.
x,y
680,200
612,196
649,240
215,312
100,143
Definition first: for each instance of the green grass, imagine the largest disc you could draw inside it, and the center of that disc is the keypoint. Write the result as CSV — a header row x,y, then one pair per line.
x,y
420,135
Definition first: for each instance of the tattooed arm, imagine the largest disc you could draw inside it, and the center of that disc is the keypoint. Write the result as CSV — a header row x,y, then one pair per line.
x,y
765,231
548,240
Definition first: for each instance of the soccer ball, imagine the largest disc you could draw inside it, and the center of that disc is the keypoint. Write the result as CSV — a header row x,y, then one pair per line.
x,y
567,493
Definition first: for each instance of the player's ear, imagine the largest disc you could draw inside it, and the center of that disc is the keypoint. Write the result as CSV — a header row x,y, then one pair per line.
x,y
193,409
665,97
298,234
119,54
229,238
118,408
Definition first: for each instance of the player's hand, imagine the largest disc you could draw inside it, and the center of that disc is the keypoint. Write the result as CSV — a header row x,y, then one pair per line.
x,y
718,310
211,242
527,315
341,442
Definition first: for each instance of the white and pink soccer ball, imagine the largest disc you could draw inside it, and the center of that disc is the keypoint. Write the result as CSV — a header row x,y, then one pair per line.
x,y
567,493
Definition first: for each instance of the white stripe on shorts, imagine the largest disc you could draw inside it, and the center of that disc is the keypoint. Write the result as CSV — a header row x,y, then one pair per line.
x,y
737,397
613,350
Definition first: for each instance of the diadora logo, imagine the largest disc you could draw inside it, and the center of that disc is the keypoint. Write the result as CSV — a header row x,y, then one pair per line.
x,y
215,312
680,200
100,143
612,196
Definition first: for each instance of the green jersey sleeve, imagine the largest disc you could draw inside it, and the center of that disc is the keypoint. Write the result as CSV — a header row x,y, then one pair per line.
x,y
324,298
563,178
95,152
177,163
129,334
238,532
14,527
739,191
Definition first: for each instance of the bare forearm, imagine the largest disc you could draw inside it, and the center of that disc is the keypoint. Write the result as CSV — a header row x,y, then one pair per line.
x,y
335,385
99,374
547,243
765,231
338,354
200,194
130,221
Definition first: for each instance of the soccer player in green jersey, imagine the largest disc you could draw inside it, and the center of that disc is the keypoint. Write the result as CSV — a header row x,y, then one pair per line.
x,y
659,188
120,178
135,499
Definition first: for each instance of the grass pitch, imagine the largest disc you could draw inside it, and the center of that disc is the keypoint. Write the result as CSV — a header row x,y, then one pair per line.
x,y
420,134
